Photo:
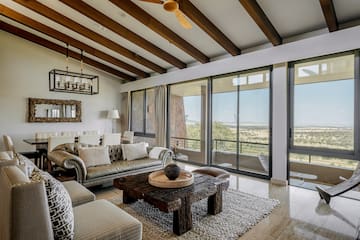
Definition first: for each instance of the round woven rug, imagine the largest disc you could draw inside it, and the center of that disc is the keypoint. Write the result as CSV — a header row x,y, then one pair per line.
x,y
241,211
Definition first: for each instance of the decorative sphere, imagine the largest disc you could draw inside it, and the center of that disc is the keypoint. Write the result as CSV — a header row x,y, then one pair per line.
x,y
172,171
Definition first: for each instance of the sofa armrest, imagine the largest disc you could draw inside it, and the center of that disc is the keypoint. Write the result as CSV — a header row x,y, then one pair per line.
x,y
165,156
4,163
69,161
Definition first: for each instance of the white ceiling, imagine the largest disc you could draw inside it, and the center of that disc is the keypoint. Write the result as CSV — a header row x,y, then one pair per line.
x,y
289,17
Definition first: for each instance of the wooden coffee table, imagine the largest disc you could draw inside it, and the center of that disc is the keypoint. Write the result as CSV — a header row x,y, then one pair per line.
x,y
176,200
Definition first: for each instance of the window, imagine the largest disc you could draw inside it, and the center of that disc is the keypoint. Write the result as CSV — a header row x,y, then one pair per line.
x,y
323,104
143,112
323,133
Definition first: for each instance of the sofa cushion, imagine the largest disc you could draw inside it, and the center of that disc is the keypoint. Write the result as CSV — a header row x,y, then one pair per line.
x,y
110,222
7,159
134,151
60,207
78,193
94,156
120,166
6,155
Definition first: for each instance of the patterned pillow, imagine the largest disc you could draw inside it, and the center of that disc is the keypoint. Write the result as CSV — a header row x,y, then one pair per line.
x,y
61,212
115,153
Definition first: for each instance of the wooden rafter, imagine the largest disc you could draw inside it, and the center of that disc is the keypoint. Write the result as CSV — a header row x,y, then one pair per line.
x,y
260,18
328,9
11,14
149,21
124,32
76,27
205,24
57,48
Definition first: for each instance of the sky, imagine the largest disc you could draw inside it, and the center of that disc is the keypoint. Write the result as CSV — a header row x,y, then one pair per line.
x,y
254,107
326,104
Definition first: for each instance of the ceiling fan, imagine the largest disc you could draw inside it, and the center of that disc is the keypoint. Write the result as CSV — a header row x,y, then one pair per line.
x,y
173,6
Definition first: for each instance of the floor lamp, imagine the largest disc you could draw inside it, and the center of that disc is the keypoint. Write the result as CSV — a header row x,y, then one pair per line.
x,y
113,115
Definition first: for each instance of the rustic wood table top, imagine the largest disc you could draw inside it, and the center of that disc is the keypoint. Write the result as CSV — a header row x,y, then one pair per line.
x,y
177,200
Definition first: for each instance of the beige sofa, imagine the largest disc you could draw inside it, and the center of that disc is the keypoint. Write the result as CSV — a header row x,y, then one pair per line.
x,y
24,211
91,176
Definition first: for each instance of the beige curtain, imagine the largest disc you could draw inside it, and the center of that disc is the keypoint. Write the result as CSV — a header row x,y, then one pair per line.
x,y
160,115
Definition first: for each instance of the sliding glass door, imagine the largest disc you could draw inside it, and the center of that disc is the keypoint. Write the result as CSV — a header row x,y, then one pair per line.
x,y
187,120
241,121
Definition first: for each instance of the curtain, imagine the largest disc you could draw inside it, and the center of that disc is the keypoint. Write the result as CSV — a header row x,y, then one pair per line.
x,y
160,115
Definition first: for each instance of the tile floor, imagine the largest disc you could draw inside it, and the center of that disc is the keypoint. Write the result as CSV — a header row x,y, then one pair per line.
x,y
301,214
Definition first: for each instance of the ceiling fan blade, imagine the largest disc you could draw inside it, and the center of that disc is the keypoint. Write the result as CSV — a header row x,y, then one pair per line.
x,y
153,1
182,19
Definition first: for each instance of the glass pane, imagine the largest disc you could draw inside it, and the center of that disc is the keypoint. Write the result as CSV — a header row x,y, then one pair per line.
x,y
254,131
187,120
150,110
324,103
137,111
244,96
309,171
224,120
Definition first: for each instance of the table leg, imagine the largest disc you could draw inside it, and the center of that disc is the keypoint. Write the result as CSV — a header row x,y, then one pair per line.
x,y
182,220
215,202
127,199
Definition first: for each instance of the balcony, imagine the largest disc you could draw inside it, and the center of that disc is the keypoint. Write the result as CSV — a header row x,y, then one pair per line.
x,y
253,157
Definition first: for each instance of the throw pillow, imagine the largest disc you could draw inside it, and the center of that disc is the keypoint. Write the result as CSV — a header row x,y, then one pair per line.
x,y
67,147
135,151
94,156
155,152
115,153
61,212
25,164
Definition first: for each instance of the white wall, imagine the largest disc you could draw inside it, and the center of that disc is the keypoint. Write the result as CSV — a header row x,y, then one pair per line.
x,y
279,123
322,44
24,68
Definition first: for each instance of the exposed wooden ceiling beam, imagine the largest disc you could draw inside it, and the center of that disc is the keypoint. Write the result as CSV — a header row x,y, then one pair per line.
x,y
76,27
258,15
205,24
124,32
11,14
149,21
57,48
328,9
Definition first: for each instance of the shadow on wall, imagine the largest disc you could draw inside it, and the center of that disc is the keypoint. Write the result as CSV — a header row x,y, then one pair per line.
x,y
103,114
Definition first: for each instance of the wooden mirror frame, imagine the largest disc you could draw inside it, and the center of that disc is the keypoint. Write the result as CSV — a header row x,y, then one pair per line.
x,y
34,101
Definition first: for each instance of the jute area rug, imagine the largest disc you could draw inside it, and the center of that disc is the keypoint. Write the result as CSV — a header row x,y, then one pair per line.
x,y
241,211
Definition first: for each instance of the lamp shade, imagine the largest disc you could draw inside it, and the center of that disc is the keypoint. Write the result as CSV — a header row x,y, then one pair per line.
x,y
113,114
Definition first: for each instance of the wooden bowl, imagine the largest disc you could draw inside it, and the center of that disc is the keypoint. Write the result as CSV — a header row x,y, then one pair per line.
x,y
159,179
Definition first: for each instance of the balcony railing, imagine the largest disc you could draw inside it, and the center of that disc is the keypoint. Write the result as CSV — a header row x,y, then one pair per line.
x,y
251,148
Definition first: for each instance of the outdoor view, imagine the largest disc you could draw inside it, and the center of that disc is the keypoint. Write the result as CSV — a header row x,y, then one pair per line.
x,y
324,109
240,111
322,119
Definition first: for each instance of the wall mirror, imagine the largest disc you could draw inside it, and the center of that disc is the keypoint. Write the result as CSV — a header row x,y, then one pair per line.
x,y
54,110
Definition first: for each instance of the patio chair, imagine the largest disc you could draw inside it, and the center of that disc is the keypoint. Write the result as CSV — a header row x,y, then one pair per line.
x,y
340,188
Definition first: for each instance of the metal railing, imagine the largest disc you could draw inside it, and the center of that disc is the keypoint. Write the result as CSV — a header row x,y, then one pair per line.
x,y
224,145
